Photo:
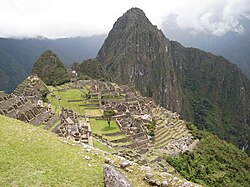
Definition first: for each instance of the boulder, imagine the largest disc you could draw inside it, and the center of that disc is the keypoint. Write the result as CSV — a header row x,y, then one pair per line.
x,y
125,163
114,178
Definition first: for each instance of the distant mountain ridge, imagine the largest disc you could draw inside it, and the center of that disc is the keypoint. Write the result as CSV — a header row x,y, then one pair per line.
x,y
206,89
17,56
233,46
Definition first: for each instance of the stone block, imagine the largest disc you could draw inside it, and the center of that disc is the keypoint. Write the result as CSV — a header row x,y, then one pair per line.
x,y
114,178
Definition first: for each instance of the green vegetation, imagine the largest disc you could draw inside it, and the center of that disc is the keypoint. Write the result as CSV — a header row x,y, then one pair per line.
x,y
91,68
213,162
101,146
101,127
65,99
117,137
33,157
215,98
56,77
92,112
50,69
60,99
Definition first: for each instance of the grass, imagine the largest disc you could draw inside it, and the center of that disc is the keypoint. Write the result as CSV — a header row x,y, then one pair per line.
x,y
118,137
71,94
101,146
92,112
85,89
31,156
121,143
54,125
101,127
34,157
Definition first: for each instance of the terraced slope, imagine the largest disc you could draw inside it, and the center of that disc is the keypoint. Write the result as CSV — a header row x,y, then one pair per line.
x,y
31,156
171,133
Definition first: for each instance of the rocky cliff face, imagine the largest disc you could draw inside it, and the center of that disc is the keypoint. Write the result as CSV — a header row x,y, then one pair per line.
x,y
204,88
50,69
218,93
136,53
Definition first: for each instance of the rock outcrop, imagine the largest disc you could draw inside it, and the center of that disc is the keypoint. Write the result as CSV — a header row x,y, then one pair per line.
x,y
113,177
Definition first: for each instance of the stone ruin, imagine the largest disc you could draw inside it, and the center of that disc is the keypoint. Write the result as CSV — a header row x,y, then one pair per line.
x,y
24,109
71,128
31,87
133,112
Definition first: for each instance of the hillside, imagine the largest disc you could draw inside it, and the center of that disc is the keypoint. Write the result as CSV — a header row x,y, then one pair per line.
x,y
213,162
141,61
31,156
217,92
17,56
148,136
202,87
38,158
233,46
49,156
50,69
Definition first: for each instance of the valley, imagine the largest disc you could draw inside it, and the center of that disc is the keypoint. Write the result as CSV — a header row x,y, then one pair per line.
x,y
146,111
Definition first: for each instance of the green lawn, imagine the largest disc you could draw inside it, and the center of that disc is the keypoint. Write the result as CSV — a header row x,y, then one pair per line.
x,y
92,112
85,89
101,126
31,156
72,94
101,146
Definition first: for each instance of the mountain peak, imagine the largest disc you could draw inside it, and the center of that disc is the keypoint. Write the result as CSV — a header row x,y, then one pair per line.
x,y
135,53
50,69
135,12
133,17
186,80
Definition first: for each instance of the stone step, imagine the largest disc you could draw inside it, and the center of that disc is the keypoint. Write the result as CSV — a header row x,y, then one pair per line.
x,y
163,136
163,143
52,121
40,118
170,139
161,132
184,133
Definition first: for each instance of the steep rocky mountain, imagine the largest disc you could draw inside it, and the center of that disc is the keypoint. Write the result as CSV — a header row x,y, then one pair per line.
x,y
50,69
206,89
136,53
17,56
233,46
217,91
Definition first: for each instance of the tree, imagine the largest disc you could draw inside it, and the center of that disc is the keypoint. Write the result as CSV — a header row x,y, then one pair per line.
x,y
108,114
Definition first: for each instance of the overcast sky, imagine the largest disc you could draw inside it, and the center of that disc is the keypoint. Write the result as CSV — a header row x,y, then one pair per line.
x,y
70,18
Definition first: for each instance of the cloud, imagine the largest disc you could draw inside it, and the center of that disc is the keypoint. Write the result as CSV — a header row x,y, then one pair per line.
x,y
65,18
213,16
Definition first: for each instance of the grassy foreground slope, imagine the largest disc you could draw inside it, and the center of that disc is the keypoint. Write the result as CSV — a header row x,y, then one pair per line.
x,y
33,157
30,156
